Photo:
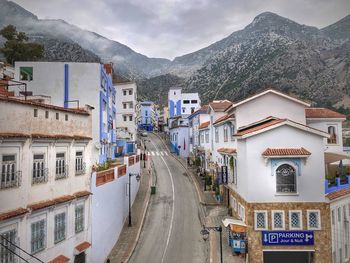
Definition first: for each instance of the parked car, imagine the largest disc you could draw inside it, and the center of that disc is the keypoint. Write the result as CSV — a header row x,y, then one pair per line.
x,y
144,134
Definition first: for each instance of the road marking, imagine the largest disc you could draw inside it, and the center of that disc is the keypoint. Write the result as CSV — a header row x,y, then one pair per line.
x,y
157,153
152,153
173,208
161,153
166,153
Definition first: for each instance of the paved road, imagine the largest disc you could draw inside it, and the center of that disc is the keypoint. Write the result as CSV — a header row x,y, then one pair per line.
x,y
171,229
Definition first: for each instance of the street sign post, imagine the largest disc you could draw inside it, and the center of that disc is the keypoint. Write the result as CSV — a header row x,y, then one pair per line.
x,y
287,238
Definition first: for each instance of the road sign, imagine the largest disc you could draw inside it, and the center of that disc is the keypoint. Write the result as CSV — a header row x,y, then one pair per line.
x,y
287,238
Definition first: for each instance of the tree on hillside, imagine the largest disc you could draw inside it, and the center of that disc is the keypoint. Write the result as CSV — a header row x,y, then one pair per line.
x,y
16,47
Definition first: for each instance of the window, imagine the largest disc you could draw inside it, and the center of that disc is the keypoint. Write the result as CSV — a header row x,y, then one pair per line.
x,y
131,105
313,220
146,113
186,102
295,221
333,135
39,171
124,92
225,133
60,227
9,175
46,114
130,92
277,220
26,73
260,219
57,116
79,218
61,169
125,118
339,214
216,135
207,136
66,117
232,130
79,163
124,105
35,112
38,240
241,211
183,109
193,101
285,179
130,118
333,217
202,137
7,244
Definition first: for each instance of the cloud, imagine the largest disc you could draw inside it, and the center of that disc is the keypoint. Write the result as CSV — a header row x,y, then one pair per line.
x,y
169,28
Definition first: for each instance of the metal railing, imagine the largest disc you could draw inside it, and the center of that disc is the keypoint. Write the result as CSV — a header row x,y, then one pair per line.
x,y
40,176
10,180
61,172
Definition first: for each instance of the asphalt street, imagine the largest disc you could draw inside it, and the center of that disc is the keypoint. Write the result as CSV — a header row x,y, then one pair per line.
x,y
171,232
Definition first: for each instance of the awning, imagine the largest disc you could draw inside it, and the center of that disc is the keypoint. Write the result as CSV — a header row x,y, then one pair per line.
x,y
236,225
331,157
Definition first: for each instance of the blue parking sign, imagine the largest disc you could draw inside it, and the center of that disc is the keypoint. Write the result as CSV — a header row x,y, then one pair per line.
x,y
287,238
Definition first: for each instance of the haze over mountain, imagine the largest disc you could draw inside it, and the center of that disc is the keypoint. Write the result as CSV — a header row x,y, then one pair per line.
x,y
271,51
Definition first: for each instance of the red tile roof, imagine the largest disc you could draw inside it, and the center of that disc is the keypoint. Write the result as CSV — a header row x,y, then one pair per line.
x,y
6,135
322,113
226,150
60,259
224,118
204,125
259,126
13,213
220,105
203,109
83,246
43,105
82,194
338,193
48,203
285,152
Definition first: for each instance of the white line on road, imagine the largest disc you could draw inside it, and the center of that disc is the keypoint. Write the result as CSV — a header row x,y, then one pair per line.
x,y
166,153
161,153
172,212
152,153
157,153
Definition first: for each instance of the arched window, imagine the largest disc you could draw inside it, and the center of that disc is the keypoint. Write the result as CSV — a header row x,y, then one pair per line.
x,y
332,133
285,179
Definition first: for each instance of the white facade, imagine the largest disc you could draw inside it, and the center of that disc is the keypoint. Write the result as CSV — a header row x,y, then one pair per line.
x,y
340,217
69,82
45,158
183,104
126,100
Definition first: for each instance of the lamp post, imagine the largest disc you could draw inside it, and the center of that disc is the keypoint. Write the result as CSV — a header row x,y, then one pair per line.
x,y
205,179
138,177
205,234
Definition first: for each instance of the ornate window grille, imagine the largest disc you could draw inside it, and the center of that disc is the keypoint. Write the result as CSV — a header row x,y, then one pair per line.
x,y
10,177
285,179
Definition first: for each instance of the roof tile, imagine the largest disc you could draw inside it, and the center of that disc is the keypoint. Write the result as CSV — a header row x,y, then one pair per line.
x,y
83,246
338,193
285,152
204,125
322,113
13,213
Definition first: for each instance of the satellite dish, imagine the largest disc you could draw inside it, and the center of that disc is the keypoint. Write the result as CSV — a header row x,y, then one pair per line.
x,y
98,145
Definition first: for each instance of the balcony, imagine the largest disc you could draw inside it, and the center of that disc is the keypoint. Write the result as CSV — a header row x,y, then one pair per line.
x,y
10,180
335,184
61,172
40,176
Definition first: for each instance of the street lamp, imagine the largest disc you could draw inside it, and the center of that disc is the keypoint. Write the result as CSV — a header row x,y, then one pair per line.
x,y
205,235
205,179
138,177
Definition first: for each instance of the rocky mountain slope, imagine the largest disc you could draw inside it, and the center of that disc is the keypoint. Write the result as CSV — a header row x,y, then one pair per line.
x,y
271,51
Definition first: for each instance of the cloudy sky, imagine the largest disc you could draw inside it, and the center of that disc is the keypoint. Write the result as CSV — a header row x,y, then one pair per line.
x,y
170,28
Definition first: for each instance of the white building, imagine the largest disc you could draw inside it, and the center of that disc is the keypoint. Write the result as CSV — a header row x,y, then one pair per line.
x,y
126,100
45,159
179,136
195,120
69,85
275,155
183,104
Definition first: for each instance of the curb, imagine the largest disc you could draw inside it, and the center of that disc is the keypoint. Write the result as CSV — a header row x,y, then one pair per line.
x,y
142,221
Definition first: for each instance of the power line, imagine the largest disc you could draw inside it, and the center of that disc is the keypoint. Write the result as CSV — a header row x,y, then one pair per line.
x,y
21,249
13,252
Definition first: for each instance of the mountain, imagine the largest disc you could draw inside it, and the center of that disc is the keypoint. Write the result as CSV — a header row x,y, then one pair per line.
x,y
272,51
311,63
74,39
